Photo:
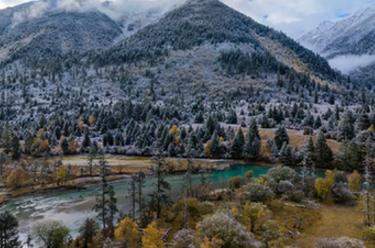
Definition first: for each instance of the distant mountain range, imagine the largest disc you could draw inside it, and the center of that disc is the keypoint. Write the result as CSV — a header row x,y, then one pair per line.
x,y
348,44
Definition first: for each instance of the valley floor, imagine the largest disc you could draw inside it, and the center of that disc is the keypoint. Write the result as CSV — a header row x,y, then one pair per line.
x,y
334,221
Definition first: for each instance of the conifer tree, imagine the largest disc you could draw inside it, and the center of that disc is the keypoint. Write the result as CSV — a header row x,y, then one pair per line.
x,y
9,231
323,153
160,196
281,137
105,206
309,156
345,127
238,144
252,145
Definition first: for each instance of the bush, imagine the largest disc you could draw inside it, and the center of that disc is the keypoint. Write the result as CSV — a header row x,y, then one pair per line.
x,y
257,193
249,174
285,187
369,233
195,208
282,173
224,227
340,177
342,195
235,182
184,238
51,234
343,242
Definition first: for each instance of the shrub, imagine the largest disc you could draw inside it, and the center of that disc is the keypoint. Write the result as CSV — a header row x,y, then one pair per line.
x,y
342,242
235,182
184,238
281,173
342,195
369,233
270,232
257,193
51,234
224,227
285,187
254,215
249,174
127,232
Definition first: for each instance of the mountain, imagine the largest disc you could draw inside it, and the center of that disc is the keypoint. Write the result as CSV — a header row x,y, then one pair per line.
x,y
47,30
349,44
202,49
212,26
353,35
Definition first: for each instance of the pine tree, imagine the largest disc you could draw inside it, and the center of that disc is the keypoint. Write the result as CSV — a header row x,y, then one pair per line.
x,y
252,145
86,140
87,232
281,137
286,156
8,231
363,121
106,200
140,180
308,156
323,153
345,127
160,196
238,144
215,146
16,148
132,195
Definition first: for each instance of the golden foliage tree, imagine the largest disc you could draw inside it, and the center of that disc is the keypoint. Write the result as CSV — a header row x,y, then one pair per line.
x,y
152,237
92,120
127,232
61,175
17,178
254,215
323,185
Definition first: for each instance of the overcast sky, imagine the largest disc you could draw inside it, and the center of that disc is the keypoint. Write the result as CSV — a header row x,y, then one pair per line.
x,y
291,16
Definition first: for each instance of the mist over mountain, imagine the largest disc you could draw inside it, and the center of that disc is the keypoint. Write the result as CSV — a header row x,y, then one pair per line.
x,y
349,44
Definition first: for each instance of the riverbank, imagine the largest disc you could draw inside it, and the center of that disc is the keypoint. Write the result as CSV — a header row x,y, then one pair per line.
x,y
121,167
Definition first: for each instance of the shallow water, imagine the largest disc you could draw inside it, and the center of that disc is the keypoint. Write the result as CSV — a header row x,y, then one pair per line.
x,y
74,206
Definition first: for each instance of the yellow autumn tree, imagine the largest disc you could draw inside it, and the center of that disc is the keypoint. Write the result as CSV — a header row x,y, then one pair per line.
x,y
40,144
127,232
81,123
254,215
207,149
18,177
323,185
152,237
354,181
61,175
92,120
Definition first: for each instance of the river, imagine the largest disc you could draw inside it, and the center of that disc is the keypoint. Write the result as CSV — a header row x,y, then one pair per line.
x,y
72,207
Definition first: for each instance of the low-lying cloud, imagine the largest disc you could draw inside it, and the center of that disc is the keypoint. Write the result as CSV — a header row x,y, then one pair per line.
x,y
349,63
116,9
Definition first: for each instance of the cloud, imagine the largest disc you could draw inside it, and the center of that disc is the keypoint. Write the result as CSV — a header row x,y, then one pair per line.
x,y
349,63
294,17
10,3
116,9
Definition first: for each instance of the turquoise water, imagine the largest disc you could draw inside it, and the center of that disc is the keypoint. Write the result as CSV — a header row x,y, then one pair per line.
x,y
74,206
